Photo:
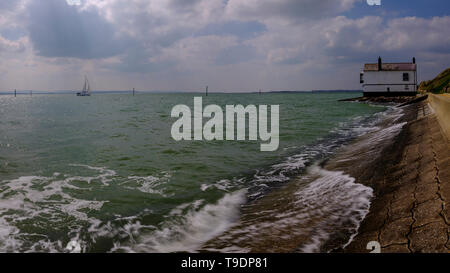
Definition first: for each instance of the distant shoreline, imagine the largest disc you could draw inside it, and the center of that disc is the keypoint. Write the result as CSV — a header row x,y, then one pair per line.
x,y
63,92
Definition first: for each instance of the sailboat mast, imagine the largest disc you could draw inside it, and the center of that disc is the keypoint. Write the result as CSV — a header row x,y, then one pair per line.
x,y
84,86
86,92
88,86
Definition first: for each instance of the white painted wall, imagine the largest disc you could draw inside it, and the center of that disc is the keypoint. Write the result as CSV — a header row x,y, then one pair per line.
x,y
388,79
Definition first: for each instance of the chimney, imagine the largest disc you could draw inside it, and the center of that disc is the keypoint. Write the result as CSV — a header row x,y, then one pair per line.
x,y
380,64
414,60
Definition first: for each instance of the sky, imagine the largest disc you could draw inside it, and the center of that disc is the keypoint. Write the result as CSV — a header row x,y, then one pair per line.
x,y
229,45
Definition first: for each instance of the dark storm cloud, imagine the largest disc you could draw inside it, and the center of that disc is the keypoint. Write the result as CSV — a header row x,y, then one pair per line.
x,y
59,30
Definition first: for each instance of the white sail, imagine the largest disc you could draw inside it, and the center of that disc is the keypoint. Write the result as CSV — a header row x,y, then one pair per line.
x,y
86,88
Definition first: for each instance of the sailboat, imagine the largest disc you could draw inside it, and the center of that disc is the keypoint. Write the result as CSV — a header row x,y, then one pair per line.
x,y
86,89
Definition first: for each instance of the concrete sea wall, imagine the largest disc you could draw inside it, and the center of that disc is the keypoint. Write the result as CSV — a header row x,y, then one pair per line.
x,y
441,106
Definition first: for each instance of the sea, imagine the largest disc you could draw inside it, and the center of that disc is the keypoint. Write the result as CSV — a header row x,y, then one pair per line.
x,y
104,173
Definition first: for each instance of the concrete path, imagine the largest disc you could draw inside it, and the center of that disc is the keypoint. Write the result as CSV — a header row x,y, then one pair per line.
x,y
413,215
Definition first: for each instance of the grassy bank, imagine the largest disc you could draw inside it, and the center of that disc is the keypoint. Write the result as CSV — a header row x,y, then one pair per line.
x,y
440,84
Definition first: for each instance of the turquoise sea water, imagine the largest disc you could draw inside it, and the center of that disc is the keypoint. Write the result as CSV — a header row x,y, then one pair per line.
x,y
104,170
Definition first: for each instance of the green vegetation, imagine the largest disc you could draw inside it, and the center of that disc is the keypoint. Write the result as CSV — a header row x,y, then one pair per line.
x,y
440,84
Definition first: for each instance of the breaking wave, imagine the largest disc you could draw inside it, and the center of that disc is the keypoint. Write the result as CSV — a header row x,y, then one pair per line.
x,y
315,205
59,204
192,228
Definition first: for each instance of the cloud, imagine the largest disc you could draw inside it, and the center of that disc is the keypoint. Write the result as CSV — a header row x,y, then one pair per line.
x,y
293,10
8,4
241,29
185,6
398,39
418,33
11,46
138,59
340,39
197,52
60,30
236,54
159,27
284,44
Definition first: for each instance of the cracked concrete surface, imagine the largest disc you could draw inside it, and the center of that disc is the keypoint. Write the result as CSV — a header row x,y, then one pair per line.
x,y
411,208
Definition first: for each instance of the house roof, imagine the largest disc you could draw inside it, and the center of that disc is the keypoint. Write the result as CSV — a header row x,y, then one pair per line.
x,y
391,67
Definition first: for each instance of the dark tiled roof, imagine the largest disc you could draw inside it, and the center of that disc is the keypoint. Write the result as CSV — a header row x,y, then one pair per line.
x,y
391,67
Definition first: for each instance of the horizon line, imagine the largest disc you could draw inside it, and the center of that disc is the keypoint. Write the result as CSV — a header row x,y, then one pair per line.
x,y
177,91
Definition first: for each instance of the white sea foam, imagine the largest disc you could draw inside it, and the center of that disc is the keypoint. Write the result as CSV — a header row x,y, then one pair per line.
x,y
8,243
338,201
333,197
192,230
105,175
180,210
329,203
148,184
226,185
30,197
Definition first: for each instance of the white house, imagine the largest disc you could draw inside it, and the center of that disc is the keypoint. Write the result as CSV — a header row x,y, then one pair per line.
x,y
389,79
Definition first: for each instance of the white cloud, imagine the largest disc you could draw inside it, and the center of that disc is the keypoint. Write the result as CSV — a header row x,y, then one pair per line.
x,y
197,51
163,45
11,46
74,2
333,38
287,10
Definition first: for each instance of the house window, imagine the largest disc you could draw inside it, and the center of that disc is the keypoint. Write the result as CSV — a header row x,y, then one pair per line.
x,y
361,78
406,77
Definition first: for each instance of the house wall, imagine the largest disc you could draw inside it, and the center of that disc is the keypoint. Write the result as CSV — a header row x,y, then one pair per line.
x,y
380,81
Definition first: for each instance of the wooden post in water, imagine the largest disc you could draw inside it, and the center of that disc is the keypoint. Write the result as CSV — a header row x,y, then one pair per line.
x,y
206,90
15,93
260,91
